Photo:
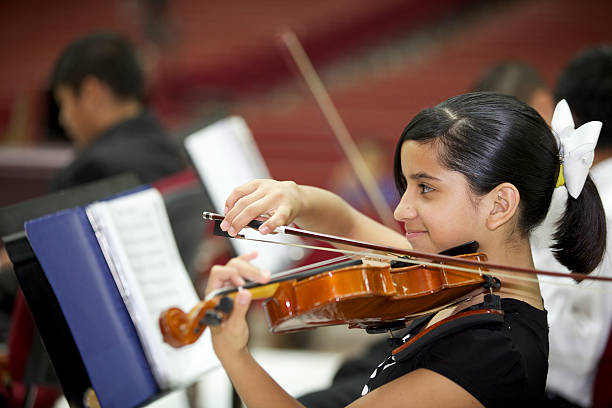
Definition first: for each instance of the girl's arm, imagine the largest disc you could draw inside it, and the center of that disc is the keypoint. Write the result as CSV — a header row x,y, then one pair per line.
x,y
230,338
254,385
420,388
311,208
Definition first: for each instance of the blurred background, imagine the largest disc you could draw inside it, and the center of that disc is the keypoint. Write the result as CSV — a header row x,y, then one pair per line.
x,y
381,61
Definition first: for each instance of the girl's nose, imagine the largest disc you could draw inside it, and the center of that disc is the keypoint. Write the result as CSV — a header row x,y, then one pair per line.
x,y
404,210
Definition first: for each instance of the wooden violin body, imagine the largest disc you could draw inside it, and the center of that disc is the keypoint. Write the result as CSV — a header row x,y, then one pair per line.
x,y
367,297
360,296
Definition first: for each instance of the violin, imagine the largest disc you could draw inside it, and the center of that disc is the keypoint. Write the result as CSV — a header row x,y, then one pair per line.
x,y
371,297
375,298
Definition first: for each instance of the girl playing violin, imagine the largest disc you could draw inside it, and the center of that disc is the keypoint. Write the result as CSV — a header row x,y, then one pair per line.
x,y
479,167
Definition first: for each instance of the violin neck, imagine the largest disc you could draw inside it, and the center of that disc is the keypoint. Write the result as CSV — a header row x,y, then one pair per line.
x,y
254,286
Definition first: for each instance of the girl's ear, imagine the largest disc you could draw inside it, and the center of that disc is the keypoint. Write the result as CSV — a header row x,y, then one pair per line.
x,y
503,202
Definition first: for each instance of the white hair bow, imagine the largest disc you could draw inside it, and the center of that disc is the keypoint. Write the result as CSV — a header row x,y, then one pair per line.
x,y
576,147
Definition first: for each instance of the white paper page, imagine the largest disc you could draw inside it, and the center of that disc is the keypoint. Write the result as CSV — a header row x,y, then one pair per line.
x,y
226,156
135,233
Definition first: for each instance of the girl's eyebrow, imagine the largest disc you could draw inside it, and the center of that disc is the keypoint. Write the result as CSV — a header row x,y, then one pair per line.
x,y
423,175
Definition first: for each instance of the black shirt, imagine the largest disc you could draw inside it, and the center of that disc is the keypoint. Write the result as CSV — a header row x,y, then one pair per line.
x,y
138,145
501,365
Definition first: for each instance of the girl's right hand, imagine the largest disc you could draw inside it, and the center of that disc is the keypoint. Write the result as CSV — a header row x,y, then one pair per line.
x,y
281,201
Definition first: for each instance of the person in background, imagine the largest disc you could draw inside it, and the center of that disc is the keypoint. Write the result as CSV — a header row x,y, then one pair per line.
x,y
520,80
579,318
99,86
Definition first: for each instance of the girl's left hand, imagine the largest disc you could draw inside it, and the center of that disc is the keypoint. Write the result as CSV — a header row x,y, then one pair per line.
x,y
231,337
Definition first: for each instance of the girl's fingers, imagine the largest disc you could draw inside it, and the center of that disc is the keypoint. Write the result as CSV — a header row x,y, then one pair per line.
x,y
240,192
249,271
278,199
235,272
245,210
265,205
221,276
248,257
237,280
256,198
280,218
232,335
241,305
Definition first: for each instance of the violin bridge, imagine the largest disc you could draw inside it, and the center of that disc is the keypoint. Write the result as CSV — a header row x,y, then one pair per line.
x,y
374,261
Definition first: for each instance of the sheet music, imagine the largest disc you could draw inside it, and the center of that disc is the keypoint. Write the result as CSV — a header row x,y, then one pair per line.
x,y
135,235
226,156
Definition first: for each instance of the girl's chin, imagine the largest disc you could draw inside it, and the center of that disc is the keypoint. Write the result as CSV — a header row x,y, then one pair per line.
x,y
422,246
421,243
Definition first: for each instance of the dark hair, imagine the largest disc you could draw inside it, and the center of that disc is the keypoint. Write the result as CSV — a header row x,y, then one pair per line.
x,y
106,56
511,78
492,139
586,84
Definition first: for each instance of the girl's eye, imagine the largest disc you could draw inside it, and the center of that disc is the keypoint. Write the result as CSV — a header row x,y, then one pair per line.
x,y
425,188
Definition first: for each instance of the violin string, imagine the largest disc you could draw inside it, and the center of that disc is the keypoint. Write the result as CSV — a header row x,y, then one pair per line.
x,y
387,258
592,285
228,289
310,266
514,272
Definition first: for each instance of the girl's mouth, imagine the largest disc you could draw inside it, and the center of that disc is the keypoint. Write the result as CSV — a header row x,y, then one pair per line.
x,y
414,234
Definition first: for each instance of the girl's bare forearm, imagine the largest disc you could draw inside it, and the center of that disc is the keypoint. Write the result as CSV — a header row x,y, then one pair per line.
x,y
254,385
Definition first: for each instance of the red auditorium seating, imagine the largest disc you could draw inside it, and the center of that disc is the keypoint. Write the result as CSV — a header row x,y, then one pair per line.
x,y
298,144
214,48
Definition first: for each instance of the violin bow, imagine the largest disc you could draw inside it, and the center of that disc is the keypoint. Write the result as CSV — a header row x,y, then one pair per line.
x,y
339,129
448,261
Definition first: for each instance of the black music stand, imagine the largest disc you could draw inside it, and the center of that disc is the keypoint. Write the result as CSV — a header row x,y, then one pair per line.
x,y
43,304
